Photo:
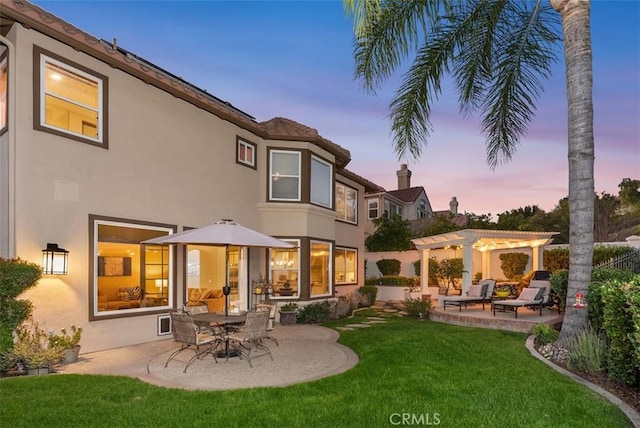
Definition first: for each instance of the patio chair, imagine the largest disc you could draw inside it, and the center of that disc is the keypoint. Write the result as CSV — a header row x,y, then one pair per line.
x,y
530,297
479,293
189,335
271,307
248,339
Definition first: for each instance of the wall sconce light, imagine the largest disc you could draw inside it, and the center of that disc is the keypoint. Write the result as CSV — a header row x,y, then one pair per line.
x,y
55,260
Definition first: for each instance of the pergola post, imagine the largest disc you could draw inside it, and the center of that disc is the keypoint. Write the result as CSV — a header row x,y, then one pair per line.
x,y
424,271
467,262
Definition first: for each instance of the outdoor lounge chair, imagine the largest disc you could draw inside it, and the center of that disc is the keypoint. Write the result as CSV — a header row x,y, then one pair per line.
x,y
248,339
202,340
479,293
530,297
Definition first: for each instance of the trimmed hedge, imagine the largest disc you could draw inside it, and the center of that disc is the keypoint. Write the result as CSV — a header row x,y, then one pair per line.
x,y
400,281
558,258
389,266
513,264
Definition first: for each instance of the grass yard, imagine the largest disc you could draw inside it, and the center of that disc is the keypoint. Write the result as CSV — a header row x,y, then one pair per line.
x,y
410,372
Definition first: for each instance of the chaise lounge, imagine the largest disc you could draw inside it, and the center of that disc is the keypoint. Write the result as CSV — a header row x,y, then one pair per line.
x,y
479,293
530,297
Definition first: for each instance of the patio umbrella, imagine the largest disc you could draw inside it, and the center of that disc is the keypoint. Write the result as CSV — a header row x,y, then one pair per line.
x,y
222,233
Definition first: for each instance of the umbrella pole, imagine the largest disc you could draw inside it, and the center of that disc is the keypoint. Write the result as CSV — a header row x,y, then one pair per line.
x,y
226,289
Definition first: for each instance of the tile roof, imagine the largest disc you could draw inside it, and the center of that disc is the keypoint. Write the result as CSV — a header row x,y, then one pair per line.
x,y
281,128
408,195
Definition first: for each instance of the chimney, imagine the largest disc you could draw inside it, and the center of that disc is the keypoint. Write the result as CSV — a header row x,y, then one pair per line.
x,y
453,205
404,177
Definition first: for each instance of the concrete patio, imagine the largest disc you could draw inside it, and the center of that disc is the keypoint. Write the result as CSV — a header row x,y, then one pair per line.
x,y
474,316
305,353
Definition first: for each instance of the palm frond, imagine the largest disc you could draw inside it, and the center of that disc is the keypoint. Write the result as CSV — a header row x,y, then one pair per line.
x,y
387,32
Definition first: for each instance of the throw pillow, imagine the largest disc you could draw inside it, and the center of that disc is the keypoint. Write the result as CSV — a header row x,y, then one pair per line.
x,y
474,291
206,293
528,294
133,293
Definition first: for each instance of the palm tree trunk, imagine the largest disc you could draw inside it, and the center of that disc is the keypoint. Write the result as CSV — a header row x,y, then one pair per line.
x,y
578,58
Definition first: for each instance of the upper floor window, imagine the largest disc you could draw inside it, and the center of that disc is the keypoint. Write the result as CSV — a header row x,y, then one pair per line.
x,y
346,203
321,182
372,208
422,209
3,93
71,100
391,209
284,183
246,153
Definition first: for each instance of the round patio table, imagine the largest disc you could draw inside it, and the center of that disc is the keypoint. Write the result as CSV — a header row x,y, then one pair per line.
x,y
225,321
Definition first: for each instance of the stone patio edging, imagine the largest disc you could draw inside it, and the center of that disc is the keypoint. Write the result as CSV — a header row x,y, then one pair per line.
x,y
631,413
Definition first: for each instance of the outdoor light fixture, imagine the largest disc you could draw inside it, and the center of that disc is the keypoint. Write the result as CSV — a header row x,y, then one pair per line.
x,y
55,260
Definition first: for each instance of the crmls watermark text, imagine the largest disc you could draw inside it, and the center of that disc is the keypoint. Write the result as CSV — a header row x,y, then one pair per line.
x,y
414,419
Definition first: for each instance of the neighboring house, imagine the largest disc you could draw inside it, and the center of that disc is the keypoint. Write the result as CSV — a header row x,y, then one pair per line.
x,y
410,203
101,150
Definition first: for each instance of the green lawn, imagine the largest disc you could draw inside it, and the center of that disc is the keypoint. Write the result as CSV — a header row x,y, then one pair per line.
x,y
433,374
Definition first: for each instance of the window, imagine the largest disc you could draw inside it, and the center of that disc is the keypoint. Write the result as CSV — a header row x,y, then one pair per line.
x,y
129,276
285,269
372,208
321,182
391,209
422,209
71,100
3,93
246,153
346,203
284,184
346,268
320,268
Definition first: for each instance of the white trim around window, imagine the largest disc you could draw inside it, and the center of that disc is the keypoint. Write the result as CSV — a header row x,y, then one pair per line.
x,y
372,209
346,203
321,182
245,153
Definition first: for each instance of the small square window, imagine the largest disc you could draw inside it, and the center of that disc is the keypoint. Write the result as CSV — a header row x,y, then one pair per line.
x,y
246,153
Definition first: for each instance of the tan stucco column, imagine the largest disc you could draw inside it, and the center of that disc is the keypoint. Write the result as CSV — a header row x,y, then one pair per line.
x,y
467,262
424,271
486,264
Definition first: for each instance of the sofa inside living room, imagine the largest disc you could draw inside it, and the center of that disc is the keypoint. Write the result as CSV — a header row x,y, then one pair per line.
x,y
213,298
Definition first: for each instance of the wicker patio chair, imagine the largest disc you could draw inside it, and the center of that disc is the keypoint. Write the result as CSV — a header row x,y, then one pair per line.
x,y
189,335
271,307
248,339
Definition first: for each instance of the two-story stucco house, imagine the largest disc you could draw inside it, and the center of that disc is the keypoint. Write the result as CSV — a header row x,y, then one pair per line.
x,y
101,150
410,203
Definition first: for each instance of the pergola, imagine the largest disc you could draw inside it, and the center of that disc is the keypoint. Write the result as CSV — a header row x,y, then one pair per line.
x,y
481,240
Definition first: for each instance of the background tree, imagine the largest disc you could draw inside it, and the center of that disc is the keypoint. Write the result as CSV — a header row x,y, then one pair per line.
x,y
392,234
497,52
629,191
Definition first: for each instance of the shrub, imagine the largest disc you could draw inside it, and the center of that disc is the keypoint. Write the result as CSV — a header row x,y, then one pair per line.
x,y
32,347
16,276
617,323
400,281
544,334
558,258
594,296
417,308
586,352
513,264
289,307
370,292
314,313
416,267
389,266
434,271
66,340
559,282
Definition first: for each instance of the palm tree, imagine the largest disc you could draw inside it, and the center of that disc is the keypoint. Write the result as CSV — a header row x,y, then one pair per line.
x,y
497,52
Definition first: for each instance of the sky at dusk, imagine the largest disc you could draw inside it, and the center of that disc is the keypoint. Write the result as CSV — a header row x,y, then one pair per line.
x,y
295,59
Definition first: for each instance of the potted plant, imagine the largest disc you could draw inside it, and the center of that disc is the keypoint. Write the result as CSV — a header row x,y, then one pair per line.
x,y
69,342
286,290
259,285
288,313
33,349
